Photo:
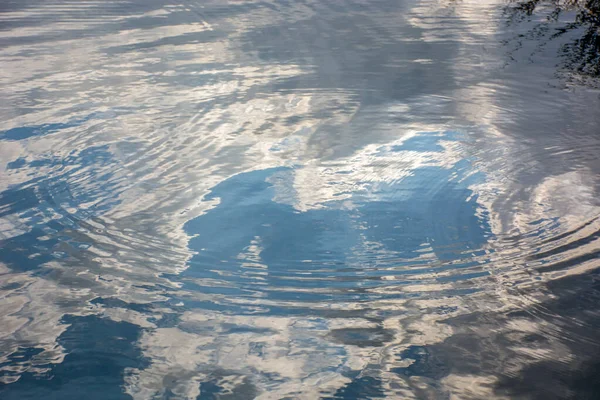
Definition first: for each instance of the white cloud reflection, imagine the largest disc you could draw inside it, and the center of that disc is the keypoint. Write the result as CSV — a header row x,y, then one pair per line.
x,y
181,106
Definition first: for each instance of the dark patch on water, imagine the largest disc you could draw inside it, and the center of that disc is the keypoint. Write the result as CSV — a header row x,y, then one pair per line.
x,y
98,352
219,389
362,337
365,387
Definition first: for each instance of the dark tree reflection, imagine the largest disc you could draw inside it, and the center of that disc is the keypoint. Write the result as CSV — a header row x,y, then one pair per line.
x,y
581,55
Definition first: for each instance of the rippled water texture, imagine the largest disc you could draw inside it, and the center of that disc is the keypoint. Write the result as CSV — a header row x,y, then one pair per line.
x,y
306,199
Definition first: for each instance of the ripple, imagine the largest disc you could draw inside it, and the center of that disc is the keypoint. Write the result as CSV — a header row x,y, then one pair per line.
x,y
343,199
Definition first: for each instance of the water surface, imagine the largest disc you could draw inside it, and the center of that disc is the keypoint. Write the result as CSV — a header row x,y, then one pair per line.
x,y
343,199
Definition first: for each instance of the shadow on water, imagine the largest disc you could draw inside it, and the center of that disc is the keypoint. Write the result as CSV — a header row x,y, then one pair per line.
x,y
491,344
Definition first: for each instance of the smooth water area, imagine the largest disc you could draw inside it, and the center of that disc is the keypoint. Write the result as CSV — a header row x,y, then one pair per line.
x,y
344,199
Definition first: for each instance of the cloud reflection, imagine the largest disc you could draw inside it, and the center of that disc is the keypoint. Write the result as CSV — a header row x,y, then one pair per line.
x,y
263,199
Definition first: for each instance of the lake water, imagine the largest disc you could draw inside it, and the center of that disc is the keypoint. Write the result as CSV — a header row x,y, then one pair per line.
x,y
343,199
